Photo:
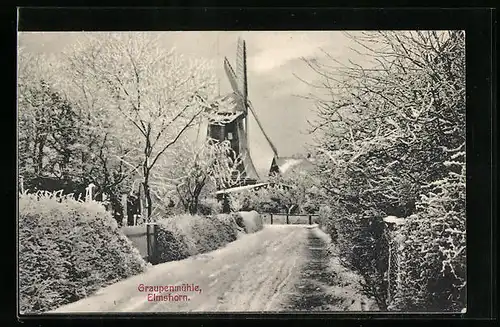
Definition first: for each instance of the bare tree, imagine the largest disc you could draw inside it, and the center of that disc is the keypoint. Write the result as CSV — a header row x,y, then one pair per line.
x,y
204,169
392,134
155,94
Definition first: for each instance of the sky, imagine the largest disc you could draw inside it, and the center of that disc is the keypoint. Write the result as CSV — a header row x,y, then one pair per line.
x,y
273,58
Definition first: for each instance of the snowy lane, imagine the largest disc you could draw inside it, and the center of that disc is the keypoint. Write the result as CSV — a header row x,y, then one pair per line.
x,y
253,273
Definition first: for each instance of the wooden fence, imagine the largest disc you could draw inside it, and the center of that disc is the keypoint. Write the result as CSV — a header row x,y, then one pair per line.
x,y
288,219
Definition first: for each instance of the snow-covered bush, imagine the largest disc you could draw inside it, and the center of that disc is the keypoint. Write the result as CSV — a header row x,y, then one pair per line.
x,y
67,250
238,219
264,200
185,235
238,200
209,206
230,225
252,221
434,240
325,219
392,143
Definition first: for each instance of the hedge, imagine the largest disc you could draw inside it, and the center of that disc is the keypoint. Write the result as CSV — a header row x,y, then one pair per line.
x,y
252,221
68,250
185,235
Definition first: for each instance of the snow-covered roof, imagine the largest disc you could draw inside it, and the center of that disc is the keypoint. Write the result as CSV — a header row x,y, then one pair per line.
x,y
247,187
228,102
223,117
225,109
240,188
394,220
286,163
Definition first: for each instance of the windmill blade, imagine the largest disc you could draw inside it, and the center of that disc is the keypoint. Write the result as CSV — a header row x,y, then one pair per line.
x,y
231,75
250,170
241,68
262,129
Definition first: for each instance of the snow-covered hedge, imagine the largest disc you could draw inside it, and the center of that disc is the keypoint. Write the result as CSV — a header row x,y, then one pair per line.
x,y
209,206
185,235
434,240
262,200
229,223
325,220
252,221
392,143
68,250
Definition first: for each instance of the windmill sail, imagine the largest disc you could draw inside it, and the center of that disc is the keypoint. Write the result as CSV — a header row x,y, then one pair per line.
x,y
241,76
249,104
231,75
241,68
249,167
229,121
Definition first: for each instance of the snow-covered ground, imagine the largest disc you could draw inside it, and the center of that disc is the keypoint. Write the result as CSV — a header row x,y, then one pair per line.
x,y
258,272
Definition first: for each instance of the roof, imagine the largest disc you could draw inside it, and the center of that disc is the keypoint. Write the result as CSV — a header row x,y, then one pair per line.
x,y
246,187
223,117
287,163
240,188
394,220
229,102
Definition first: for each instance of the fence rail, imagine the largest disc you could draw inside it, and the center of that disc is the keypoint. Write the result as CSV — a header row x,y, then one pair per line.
x,y
288,218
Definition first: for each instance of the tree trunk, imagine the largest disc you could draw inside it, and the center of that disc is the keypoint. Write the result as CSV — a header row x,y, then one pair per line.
x,y
149,201
193,206
145,196
39,158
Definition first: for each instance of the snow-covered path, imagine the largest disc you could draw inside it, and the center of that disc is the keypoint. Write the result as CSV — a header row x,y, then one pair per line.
x,y
281,268
250,274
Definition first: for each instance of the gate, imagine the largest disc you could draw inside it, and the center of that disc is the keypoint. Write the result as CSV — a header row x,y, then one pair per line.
x,y
144,238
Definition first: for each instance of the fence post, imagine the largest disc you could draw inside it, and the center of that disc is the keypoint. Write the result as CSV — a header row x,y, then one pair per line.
x,y
271,218
151,237
310,220
391,225
21,182
389,275
88,192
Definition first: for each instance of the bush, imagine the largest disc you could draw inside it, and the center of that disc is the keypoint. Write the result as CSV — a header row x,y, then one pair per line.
x,y
309,207
229,223
434,240
399,129
325,221
185,235
260,201
252,221
209,206
238,219
68,250
363,248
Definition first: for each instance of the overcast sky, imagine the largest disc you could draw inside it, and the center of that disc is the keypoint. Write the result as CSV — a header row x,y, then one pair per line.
x,y
272,60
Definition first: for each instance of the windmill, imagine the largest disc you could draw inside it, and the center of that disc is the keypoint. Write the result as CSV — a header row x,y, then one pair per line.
x,y
229,117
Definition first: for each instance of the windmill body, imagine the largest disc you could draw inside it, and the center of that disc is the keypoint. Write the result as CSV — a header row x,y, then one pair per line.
x,y
228,119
